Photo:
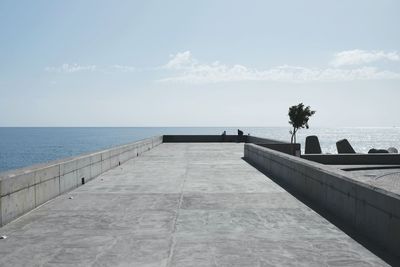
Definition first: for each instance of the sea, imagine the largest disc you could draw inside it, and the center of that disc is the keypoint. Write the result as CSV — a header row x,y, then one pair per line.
x,y
25,146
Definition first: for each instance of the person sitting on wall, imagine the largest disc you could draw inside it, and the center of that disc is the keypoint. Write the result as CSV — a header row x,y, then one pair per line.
x,y
240,135
223,135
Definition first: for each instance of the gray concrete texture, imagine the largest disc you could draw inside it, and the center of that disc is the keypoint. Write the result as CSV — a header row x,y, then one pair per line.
x,y
385,178
354,159
180,204
371,211
22,190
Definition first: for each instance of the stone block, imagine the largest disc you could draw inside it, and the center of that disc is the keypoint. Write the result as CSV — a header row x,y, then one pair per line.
x,y
312,145
343,147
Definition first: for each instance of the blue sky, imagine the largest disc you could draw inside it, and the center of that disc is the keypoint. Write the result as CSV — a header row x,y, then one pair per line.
x,y
198,63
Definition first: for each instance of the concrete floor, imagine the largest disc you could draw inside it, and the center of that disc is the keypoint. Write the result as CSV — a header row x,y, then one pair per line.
x,y
179,205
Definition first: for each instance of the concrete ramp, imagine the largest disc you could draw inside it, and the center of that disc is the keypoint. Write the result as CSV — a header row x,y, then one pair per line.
x,y
180,204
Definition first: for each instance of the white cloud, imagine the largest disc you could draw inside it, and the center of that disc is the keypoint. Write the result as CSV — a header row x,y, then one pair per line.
x,y
183,67
123,68
358,57
70,68
188,70
180,61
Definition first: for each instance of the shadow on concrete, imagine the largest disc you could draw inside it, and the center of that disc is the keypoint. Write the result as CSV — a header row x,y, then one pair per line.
x,y
389,258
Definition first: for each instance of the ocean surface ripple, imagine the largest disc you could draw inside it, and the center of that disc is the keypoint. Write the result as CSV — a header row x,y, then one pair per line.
x,y
23,146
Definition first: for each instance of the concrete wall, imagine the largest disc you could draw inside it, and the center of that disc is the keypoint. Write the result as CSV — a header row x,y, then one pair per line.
x,y
354,159
202,138
291,149
227,138
372,212
285,147
23,190
260,140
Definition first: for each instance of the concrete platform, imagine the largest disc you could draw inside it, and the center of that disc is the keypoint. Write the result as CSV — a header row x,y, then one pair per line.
x,y
388,179
181,204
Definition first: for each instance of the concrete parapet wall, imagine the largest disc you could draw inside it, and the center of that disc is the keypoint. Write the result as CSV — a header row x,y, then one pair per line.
x,y
203,138
285,147
221,139
260,140
372,212
291,149
354,159
23,190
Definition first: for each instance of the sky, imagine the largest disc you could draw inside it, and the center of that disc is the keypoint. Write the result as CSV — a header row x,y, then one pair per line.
x,y
199,63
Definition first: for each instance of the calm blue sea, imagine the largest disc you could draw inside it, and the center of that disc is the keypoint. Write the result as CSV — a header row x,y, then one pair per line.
x,y
20,147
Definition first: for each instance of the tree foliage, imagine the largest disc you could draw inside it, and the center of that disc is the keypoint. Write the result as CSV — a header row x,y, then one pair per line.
x,y
299,116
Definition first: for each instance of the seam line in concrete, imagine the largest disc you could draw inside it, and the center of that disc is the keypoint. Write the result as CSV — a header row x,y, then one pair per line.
x,y
173,239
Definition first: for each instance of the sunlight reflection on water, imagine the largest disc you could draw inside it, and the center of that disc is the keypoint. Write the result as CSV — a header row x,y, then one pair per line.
x,y
20,147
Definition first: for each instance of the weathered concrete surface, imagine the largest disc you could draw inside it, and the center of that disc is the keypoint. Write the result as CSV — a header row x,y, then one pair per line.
x,y
388,179
25,189
371,211
179,205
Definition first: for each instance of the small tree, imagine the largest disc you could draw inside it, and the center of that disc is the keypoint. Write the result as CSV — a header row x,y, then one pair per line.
x,y
299,117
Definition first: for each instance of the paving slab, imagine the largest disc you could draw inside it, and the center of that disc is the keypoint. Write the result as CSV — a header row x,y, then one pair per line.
x,y
180,204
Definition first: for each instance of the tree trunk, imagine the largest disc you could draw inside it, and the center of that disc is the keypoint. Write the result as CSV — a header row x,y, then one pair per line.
x,y
293,139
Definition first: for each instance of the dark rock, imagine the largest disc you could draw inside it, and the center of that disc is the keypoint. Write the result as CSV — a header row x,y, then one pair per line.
x,y
374,150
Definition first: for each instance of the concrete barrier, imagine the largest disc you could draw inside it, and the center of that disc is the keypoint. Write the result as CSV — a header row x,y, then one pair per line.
x,y
24,189
285,147
219,139
354,159
291,149
202,138
261,140
371,212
